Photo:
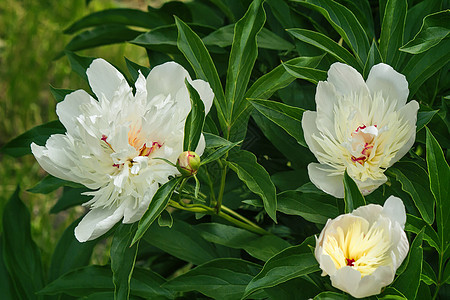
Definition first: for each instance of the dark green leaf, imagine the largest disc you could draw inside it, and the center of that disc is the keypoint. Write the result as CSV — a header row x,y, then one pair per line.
x,y
182,241
70,197
345,23
415,225
134,69
194,122
439,173
256,178
260,247
6,285
323,42
422,66
100,36
214,141
156,206
352,195
301,288
279,78
224,278
51,183
79,64
198,56
124,16
165,219
244,52
408,282
391,37
312,207
428,276
373,58
223,37
331,296
434,29
218,153
310,74
415,182
163,38
423,118
39,135
60,94
290,263
20,254
287,117
122,259
69,253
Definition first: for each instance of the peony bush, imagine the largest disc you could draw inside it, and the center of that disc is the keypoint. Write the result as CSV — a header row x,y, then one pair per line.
x,y
268,150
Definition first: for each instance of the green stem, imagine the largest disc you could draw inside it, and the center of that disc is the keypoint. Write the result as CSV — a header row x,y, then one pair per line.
x,y
233,213
221,189
438,284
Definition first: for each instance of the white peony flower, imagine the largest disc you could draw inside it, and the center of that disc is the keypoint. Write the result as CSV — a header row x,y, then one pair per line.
x,y
110,144
364,127
362,250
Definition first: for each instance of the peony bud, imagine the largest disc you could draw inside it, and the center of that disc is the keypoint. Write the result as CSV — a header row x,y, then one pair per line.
x,y
188,163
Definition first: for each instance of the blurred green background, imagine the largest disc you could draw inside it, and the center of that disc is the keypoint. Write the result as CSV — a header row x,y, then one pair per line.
x,y
30,38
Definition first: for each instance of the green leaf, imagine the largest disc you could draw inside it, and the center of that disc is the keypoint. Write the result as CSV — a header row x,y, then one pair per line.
x,y
51,183
435,28
97,279
198,56
102,35
224,278
331,296
345,23
323,42
70,197
266,39
301,288
194,122
214,141
352,195
218,153
244,52
165,219
124,16
6,285
156,206
20,145
422,66
312,207
163,39
79,64
310,74
391,37
373,58
260,247
20,254
60,94
415,225
423,118
279,78
287,117
134,69
439,173
182,241
256,178
414,181
123,257
69,253
428,276
290,263
408,282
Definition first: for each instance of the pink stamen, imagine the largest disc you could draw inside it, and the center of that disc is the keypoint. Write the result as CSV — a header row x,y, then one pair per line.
x,y
350,262
146,151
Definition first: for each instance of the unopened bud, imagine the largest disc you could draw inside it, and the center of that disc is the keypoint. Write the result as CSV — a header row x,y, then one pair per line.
x,y
188,163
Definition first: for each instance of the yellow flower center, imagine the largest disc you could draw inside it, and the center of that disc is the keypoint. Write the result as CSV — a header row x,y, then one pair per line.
x,y
358,247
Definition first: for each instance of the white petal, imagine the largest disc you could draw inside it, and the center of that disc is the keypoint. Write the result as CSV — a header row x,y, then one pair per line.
x,y
97,222
346,80
104,79
369,212
133,214
205,92
393,85
394,209
69,109
326,98
369,185
346,279
165,79
372,284
327,265
321,177
309,129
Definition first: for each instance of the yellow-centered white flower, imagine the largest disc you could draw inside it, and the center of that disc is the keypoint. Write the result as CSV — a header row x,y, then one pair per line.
x,y
361,127
111,143
362,250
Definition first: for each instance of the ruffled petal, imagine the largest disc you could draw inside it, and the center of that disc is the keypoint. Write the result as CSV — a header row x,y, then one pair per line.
x,y
320,175
104,79
326,99
346,279
309,129
372,284
133,213
369,185
97,222
393,85
69,109
346,80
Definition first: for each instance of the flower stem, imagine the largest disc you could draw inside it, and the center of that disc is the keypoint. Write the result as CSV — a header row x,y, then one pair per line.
x,y
233,213
221,189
